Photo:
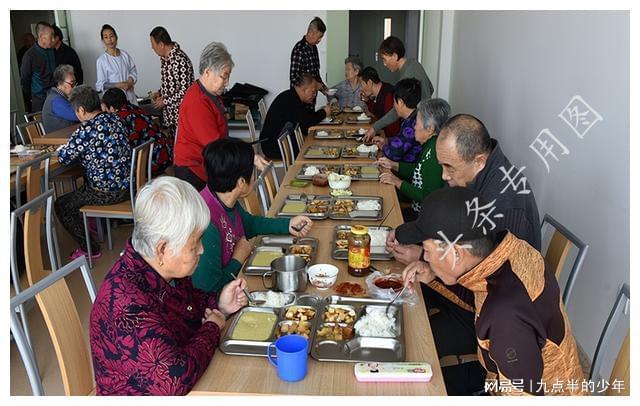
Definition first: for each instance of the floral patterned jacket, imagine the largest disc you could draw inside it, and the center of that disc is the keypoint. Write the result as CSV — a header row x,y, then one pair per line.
x,y
404,147
147,335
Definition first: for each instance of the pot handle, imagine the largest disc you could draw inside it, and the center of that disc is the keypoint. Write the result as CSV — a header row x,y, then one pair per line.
x,y
264,280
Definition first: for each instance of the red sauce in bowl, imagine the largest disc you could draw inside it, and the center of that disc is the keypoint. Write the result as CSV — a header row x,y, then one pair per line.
x,y
388,283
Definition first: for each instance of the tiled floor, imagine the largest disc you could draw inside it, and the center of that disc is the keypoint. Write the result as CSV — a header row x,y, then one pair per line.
x,y
45,355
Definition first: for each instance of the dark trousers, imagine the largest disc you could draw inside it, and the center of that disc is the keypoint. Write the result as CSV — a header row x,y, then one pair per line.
x,y
454,333
184,173
68,210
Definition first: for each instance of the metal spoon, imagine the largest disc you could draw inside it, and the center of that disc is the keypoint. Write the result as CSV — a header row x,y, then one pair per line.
x,y
300,227
386,311
252,301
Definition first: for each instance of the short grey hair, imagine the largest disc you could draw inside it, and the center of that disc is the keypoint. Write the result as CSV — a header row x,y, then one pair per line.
x,y
42,27
434,112
86,97
167,209
215,57
471,135
355,62
61,73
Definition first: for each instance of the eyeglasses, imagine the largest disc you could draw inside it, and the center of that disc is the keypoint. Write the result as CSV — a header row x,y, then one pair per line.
x,y
72,84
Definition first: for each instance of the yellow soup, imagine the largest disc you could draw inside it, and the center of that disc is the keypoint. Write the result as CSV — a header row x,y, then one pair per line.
x,y
294,207
264,258
315,152
369,170
254,326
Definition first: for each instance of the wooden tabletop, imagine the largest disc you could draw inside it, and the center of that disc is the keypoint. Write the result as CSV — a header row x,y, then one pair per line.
x,y
231,374
343,126
58,137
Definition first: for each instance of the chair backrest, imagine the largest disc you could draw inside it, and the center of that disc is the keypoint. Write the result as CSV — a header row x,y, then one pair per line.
x,y
13,120
557,252
140,173
253,202
299,138
29,131
613,330
270,181
36,116
37,177
252,126
621,370
63,322
262,107
286,149
35,212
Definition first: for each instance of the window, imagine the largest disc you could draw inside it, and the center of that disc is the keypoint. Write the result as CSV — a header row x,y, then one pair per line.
x,y
387,27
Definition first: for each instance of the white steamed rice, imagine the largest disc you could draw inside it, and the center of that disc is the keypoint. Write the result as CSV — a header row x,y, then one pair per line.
x,y
376,324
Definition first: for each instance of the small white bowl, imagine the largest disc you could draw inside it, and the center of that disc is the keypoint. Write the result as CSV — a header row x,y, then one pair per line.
x,y
339,181
331,92
323,276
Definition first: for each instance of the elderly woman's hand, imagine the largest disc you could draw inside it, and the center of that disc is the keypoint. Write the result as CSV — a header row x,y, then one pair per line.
x,y
242,250
299,226
232,298
214,316
390,179
386,163
379,141
260,162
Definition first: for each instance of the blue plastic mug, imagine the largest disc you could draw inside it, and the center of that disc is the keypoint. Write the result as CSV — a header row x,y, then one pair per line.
x,y
291,351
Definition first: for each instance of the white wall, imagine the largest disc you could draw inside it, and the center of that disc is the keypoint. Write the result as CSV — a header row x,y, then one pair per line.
x,y
260,42
516,71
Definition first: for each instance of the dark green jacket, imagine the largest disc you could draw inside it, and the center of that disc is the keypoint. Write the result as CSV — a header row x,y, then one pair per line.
x,y
421,177
210,275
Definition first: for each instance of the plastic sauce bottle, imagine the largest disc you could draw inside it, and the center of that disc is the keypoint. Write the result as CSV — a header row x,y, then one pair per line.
x,y
359,251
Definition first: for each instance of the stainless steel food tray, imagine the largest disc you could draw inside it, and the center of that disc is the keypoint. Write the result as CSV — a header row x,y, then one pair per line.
x,y
372,215
358,348
360,175
306,202
323,168
331,134
278,243
324,153
232,346
346,152
377,253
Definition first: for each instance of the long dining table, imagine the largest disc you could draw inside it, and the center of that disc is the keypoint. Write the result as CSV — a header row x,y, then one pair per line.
x,y
246,375
58,137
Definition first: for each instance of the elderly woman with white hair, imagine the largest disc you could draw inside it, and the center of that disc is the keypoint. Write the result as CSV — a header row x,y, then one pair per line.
x,y
348,91
151,331
201,118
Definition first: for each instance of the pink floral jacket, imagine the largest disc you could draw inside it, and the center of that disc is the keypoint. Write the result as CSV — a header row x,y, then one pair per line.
x,y
146,335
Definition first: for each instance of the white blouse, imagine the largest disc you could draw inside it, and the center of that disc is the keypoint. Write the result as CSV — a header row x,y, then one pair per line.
x,y
114,69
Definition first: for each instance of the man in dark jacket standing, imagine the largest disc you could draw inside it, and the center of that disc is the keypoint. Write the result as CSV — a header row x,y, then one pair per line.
x,y
36,71
65,55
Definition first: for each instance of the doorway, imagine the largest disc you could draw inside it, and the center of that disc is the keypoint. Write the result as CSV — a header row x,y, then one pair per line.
x,y
367,29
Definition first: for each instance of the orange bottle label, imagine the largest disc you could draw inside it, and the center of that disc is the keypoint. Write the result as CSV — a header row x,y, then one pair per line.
x,y
359,258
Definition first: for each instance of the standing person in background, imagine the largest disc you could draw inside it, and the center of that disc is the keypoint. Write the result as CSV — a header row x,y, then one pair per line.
x,y
305,59
348,91
393,56
115,67
38,64
27,42
379,97
201,117
65,55
176,75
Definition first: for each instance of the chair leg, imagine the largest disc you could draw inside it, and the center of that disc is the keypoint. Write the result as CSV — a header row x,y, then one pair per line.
x,y
99,229
87,238
109,234
56,247
25,324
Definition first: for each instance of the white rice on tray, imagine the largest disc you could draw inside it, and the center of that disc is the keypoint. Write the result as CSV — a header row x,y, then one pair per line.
x,y
376,324
272,299
378,237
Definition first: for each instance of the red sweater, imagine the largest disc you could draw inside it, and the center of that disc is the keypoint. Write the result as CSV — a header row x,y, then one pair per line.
x,y
381,105
200,122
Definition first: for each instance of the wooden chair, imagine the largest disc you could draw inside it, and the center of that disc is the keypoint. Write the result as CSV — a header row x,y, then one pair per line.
x,y
612,330
140,174
31,215
253,203
299,138
29,131
286,149
252,126
262,107
63,322
37,116
270,181
557,252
